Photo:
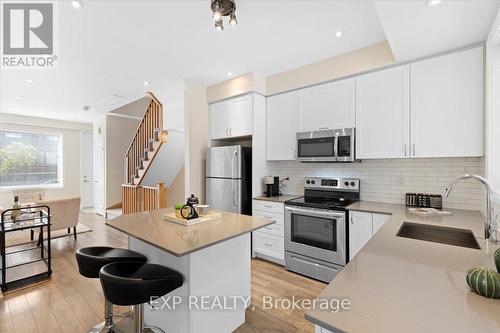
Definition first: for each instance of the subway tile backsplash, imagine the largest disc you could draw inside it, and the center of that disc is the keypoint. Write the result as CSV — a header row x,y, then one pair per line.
x,y
387,180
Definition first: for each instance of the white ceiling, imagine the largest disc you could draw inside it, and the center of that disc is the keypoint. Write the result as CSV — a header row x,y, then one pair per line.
x,y
111,47
415,30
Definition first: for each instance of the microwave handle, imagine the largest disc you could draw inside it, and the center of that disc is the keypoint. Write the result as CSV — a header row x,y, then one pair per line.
x,y
336,146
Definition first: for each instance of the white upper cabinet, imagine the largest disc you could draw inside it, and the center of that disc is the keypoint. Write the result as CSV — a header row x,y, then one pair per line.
x,y
231,118
281,126
218,116
240,114
382,111
327,106
447,105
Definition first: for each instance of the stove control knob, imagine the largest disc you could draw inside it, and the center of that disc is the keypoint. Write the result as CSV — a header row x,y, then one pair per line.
x,y
308,182
312,182
346,183
352,183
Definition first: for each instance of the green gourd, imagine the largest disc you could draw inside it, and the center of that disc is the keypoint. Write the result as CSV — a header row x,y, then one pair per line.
x,y
484,281
497,259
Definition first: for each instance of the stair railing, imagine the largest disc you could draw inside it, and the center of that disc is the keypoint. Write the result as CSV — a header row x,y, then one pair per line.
x,y
148,131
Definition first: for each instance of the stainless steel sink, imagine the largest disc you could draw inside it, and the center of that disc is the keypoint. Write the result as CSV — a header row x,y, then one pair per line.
x,y
437,234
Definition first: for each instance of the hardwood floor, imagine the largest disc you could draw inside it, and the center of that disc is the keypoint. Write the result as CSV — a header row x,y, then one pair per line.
x,y
71,303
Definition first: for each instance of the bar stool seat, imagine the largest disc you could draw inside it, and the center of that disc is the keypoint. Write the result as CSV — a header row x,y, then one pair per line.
x,y
134,283
92,259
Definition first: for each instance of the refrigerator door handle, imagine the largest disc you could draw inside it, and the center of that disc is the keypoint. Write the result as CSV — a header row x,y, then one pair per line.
x,y
235,154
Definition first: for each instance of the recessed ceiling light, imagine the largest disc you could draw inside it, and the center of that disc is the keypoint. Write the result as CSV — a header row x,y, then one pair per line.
x,y
338,34
229,74
19,97
76,4
88,108
432,3
146,83
29,81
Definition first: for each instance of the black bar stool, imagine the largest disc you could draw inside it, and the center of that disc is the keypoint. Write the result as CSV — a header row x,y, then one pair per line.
x,y
134,283
90,261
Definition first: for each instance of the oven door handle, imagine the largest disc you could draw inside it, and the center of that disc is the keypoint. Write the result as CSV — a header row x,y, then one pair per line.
x,y
315,212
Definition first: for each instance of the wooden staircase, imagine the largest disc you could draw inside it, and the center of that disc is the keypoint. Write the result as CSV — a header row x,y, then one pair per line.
x,y
141,153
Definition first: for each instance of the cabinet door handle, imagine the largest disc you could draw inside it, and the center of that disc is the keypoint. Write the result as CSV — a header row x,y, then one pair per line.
x,y
230,132
405,148
352,222
414,154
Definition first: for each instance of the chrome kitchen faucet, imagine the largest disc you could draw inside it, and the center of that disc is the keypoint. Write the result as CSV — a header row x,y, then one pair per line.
x,y
490,227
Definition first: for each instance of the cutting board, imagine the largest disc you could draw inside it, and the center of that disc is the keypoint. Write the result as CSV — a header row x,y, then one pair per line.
x,y
210,217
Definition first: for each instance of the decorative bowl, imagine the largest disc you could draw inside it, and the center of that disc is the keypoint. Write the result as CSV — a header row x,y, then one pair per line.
x,y
202,209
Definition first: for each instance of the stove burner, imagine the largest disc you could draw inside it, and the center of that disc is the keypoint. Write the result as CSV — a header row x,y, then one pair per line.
x,y
321,202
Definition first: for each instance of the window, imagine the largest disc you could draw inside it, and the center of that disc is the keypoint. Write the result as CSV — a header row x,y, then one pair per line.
x,y
30,159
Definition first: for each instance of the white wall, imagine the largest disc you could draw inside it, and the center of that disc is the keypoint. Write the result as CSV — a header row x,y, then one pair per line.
x,y
70,132
121,126
168,165
119,133
387,180
196,136
168,162
493,108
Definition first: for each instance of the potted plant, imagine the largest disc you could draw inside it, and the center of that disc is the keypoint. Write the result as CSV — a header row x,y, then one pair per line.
x,y
178,208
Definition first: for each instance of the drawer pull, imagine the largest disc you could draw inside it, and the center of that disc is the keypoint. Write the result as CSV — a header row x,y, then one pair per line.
x,y
268,217
268,244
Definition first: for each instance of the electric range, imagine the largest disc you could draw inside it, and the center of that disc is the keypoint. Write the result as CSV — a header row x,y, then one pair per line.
x,y
316,228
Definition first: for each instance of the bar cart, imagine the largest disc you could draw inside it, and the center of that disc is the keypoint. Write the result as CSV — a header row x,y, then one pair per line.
x,y
35,217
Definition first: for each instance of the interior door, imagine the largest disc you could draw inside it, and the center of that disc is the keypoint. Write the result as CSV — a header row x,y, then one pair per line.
x,y
99,172
86,169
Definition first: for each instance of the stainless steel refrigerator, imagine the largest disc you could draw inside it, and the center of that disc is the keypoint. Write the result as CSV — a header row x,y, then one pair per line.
x,y
229,179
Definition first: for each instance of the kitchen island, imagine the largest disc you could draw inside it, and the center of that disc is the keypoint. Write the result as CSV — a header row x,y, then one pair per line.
x,y
397,284
214,258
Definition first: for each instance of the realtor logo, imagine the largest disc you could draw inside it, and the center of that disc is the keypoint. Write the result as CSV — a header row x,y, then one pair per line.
x,y
28,35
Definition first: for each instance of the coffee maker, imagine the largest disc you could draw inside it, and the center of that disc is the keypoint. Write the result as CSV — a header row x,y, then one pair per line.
x,y
272,186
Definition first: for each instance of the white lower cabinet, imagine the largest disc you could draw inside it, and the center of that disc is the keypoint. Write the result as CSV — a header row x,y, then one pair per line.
x,y
362,227
319,329
360,231
378,221
268,243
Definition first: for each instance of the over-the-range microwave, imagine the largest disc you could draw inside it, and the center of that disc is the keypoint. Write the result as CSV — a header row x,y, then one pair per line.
x,y
336,145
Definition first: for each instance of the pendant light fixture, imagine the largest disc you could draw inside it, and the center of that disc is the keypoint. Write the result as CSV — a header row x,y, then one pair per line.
x,y
221,8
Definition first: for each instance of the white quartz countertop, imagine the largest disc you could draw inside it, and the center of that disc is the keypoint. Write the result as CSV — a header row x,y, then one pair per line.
x,y
180,240
399,284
